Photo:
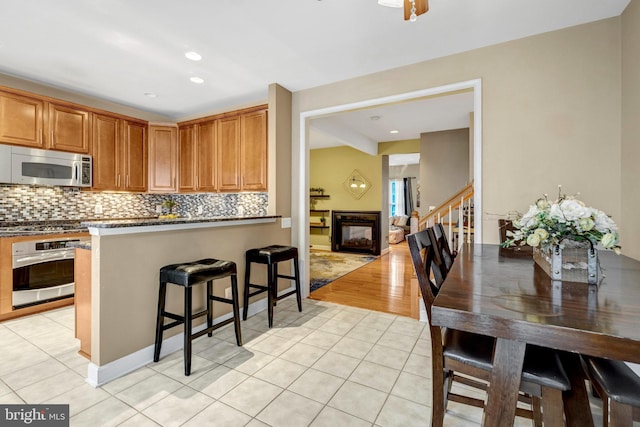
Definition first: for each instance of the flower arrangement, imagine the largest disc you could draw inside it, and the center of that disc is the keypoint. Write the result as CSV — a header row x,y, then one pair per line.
x,y
548,223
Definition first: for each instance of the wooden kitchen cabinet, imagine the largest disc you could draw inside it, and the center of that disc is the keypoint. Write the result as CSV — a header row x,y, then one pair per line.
x,y
229,177
68,129
207,156
135,155
82,299
197,153
187,155
253,160
105,149
119,154
163,159
21,120
227,152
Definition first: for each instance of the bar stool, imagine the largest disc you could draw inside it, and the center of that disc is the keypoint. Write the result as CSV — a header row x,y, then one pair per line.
x,y
187,275
271,256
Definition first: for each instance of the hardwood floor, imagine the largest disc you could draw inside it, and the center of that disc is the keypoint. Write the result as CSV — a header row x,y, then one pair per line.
x,y
386,284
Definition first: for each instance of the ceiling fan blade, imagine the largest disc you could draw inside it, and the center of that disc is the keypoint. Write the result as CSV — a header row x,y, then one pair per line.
x,y
422,6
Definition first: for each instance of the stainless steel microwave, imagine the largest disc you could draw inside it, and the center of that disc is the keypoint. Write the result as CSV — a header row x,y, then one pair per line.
x,y
33,166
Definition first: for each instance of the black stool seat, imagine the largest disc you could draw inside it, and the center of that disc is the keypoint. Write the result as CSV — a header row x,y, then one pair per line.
x,y
191,273
271,256
187,275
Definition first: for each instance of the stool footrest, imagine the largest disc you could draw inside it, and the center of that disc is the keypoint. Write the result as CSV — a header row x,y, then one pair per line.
x,y
172,324
221,299
282,276
212,328
279,297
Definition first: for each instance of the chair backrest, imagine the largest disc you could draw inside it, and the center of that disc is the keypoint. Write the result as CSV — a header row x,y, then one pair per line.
x,y
422,252
442,261
443,245
525,251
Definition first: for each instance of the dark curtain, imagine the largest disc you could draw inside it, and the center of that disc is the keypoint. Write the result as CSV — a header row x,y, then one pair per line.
x,y
408,197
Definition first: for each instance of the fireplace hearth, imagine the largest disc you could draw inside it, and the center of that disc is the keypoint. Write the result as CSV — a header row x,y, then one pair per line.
x,y
355,231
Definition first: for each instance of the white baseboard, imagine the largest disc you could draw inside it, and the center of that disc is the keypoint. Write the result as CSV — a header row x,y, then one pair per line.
x,y
100,375
321,248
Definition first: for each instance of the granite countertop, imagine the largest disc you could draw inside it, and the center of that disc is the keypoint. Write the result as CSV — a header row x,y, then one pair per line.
x,y
144,222
150,225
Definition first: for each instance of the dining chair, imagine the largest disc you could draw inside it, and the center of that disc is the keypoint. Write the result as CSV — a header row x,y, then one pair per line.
x,y
442,254
618,387
457,352
518,251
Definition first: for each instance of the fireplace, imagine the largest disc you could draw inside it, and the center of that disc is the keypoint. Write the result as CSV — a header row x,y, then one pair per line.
x,y
355,231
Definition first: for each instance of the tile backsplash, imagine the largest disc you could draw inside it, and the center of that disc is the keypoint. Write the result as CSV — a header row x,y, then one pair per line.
x,y
32,203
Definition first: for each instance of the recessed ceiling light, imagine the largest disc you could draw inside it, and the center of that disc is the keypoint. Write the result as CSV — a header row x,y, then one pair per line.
x,y
194,56
150,94
374,118
197,80
394,131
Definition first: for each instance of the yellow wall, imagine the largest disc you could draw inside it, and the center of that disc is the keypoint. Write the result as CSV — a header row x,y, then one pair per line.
x,y
630,226
551,114
329,169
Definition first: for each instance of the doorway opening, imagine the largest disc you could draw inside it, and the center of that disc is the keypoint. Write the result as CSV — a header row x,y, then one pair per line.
x,y
300,167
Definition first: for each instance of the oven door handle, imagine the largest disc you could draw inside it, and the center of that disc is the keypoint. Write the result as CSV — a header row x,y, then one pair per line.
x,y
25,260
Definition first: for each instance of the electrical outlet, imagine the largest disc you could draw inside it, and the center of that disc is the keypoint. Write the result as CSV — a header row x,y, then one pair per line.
x,y
158,209
200,209
227,293
97,209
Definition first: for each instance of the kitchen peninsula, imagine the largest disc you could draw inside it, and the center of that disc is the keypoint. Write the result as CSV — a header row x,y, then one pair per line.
x,y
126,256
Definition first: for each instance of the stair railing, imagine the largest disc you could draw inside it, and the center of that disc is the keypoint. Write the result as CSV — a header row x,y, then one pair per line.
x,y
461,200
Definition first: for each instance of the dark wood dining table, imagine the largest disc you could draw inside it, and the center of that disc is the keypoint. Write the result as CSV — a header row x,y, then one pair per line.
x,y
514,300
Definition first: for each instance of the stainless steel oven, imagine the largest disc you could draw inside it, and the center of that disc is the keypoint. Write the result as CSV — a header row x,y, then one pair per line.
x,y
42,270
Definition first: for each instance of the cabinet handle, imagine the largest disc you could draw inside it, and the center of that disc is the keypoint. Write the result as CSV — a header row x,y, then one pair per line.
x,y
126,181
40,136
118,183
53,141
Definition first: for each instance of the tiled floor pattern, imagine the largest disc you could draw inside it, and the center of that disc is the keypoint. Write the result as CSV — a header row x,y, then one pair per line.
x,y
330,365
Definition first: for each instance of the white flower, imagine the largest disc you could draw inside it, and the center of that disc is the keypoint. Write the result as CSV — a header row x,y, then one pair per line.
x,y
530,219
542,204
533,239
556,213
573,209
586,224
609,240
603,223
542,233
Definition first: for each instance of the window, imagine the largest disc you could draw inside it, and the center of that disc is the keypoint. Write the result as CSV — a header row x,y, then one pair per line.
x,y
396,197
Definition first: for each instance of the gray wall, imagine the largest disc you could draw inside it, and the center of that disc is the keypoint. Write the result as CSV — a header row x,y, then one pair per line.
x,y
444,165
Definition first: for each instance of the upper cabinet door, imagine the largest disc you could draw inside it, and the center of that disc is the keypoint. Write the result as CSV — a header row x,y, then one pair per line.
x,y
106,153
187,153
21,120
229,154
207,156
163,159
254,151
68,129
135,156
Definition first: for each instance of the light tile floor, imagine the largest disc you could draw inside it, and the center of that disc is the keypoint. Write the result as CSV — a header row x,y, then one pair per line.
x,y
330,365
